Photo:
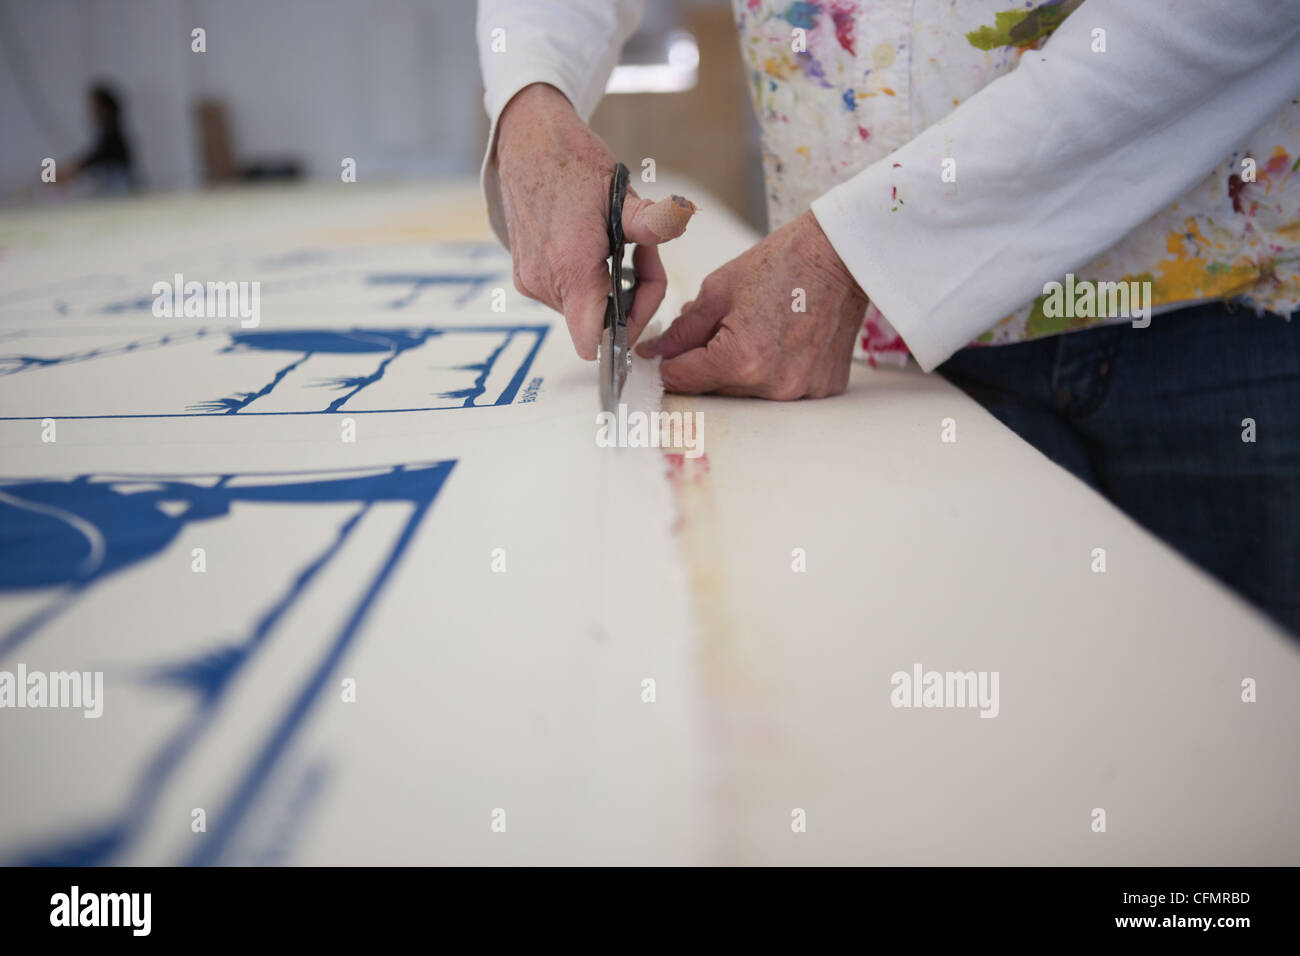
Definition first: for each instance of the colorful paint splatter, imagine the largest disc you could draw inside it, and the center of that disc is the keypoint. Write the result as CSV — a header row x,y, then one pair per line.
x,y
866,76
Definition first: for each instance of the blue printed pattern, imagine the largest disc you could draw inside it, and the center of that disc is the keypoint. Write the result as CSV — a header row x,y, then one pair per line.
x,y
64,538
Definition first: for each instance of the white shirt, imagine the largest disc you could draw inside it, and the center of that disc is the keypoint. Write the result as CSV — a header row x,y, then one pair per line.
x,y
1066,159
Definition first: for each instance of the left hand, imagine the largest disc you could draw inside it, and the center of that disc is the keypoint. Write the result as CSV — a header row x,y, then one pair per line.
x,y
742,335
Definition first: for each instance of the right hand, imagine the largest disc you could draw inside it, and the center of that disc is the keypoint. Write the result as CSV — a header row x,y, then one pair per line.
x,y
555,175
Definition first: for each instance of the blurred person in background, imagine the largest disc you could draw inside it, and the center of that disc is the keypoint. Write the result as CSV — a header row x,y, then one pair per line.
x,y
107,168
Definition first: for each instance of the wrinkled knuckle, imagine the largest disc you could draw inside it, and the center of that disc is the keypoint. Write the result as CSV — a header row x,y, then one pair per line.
x,y
567,276
787,391
749,370
792,384
672,381
712,286
747,364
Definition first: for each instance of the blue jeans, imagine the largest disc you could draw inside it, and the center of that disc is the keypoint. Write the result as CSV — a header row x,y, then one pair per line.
x,y
1154,419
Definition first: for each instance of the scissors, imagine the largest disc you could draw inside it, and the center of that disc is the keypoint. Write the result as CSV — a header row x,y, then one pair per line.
x,y
615,358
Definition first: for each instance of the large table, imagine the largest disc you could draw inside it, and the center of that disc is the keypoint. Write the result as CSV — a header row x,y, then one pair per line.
x,y
363,588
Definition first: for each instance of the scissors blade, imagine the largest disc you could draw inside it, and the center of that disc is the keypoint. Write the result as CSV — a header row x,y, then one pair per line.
x,y
615,356
611,388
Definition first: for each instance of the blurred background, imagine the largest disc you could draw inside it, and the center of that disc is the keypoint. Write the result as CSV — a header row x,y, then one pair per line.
x,y
285,89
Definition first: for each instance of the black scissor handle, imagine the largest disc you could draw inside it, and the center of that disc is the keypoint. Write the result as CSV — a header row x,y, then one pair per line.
x,y
622,291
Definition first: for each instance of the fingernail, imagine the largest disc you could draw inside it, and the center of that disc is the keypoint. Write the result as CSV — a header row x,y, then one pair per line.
x,y
648,348
667,218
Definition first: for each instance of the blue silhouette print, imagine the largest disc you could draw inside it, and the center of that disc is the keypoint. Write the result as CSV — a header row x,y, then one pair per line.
x,y
73,534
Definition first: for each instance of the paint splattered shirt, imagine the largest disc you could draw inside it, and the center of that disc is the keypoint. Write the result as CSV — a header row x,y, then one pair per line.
x,y
961,155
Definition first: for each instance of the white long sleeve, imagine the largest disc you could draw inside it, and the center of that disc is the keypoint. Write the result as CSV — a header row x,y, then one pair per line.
x,y
571,44
1058,160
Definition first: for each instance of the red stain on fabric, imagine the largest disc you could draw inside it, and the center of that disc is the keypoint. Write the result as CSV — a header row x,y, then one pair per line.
x,y
879,338
842,14
683,470
1235,187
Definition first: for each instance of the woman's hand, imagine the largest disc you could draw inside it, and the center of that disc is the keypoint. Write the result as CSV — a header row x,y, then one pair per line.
x,y
555,175
745,334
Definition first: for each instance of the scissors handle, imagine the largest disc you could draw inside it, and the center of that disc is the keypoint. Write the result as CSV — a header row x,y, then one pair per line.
x,y
617,194
621,294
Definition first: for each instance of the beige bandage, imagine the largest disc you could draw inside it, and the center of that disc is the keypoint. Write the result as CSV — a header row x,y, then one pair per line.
x,y
667,218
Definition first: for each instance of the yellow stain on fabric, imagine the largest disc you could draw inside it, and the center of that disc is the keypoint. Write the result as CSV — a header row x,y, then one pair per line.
x,y
724,670
457,222
700,536
782,68
883,56
1277,165
1188,274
